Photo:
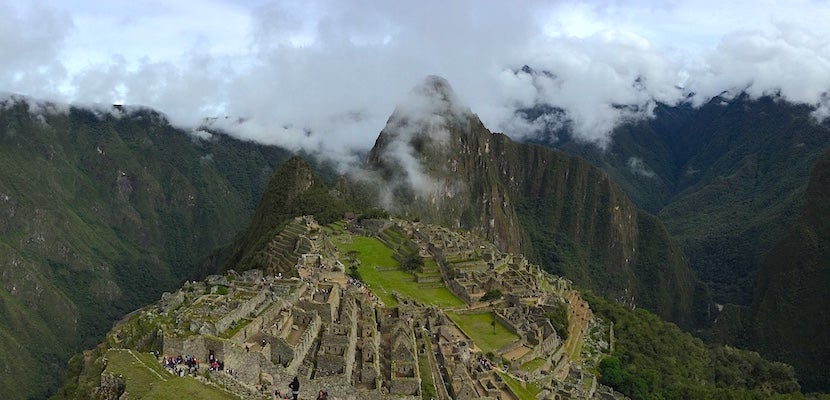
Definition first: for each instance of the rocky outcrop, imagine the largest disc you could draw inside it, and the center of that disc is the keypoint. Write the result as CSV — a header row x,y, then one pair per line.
x,y
112,387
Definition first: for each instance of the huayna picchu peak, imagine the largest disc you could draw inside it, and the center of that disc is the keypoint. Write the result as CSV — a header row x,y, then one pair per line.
x,y
449,169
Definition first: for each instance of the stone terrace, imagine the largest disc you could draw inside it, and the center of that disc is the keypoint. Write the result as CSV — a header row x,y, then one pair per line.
x,y
325,328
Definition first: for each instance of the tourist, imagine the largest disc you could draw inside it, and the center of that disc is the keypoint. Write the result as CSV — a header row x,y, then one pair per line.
x,y
323,395
295,387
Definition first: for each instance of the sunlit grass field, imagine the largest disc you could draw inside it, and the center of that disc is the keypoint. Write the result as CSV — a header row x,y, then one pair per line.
x,y
384,276
480,328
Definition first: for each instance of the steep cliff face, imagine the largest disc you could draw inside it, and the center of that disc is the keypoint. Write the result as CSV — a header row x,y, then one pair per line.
x,y
100,212
442,165
435,158
789,320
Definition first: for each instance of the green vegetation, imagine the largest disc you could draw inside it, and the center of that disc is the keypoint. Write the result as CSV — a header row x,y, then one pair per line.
x,y
221,290
147,379
788,320
427,382
654,359
235,328
523,390
493,294
294,190
558,317
533,364
382,273
488,333
100,214
412,263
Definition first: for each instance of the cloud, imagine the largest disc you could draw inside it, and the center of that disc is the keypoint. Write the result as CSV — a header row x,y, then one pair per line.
x,y
325,76
638,167
31,57
420,125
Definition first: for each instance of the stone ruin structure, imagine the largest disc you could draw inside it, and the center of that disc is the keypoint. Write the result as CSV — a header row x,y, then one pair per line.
x,y
326,328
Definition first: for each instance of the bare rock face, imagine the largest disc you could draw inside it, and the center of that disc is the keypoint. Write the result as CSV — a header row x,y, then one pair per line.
x,y
112,387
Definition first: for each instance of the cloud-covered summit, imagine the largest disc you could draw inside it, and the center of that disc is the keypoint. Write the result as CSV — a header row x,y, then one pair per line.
x,y
325,76
419,133
428,109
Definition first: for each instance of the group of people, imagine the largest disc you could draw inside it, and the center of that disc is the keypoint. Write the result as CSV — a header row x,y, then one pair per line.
x,y
365,289
485,363
215,364
181,365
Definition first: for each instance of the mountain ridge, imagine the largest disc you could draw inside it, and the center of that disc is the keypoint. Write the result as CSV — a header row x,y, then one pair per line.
x,y
700,170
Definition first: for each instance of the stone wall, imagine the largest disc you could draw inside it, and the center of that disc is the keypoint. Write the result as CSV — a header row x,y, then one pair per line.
x,y
460,291
510,326
194,346
257,324
281,352
405,386
329,364
243,311
306,341
323,310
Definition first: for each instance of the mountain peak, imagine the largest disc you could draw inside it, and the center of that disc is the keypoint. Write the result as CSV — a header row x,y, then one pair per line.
x,y
429,107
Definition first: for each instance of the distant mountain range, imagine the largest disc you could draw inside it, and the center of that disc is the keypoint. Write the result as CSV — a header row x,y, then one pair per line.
x,y
102,211
730,181
725,178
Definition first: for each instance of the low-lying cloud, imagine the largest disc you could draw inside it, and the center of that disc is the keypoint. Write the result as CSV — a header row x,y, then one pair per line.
x,y
638,167
325,76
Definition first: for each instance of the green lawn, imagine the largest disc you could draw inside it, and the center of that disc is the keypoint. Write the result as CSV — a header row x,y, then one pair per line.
x,y
480,328
373,254
427,383
522,390
147,379
533,364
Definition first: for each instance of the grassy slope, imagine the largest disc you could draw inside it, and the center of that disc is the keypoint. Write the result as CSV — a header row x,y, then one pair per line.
x,y
146,379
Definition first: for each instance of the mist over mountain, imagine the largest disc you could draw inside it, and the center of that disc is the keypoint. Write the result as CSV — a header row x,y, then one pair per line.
x,y
105,208
323,77
439,163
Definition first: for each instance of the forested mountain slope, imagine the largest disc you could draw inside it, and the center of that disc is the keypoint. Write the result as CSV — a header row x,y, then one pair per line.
x,y
100,212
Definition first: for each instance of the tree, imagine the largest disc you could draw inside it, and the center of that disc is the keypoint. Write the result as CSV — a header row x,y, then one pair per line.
x,y
413,262
493,294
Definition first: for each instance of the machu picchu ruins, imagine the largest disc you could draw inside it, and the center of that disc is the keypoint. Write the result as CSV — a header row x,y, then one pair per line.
x,y
472,322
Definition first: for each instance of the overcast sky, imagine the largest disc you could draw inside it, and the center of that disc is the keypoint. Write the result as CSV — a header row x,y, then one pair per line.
x,y
336,69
